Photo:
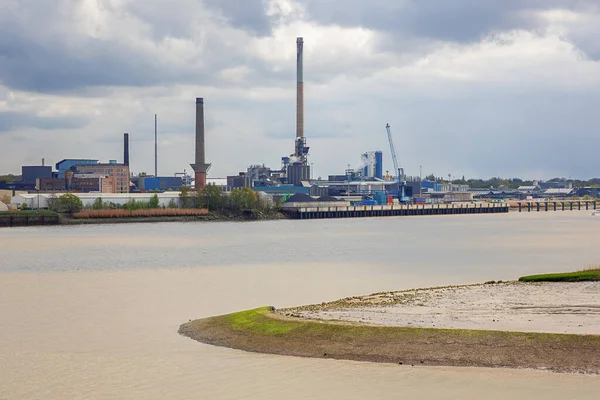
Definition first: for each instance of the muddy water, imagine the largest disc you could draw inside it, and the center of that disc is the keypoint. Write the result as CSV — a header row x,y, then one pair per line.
x,y
92,312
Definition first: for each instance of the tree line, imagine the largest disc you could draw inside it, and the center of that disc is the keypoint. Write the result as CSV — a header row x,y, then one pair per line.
x,y
211,197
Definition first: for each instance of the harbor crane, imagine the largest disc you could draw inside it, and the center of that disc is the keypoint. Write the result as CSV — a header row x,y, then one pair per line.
x,y
399,170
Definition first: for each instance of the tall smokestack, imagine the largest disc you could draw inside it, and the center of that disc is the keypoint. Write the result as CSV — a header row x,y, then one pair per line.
x,y
200,167
126,149
155,146
299,89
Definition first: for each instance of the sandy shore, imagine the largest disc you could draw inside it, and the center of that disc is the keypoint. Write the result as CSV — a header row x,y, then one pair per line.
x,y
549,307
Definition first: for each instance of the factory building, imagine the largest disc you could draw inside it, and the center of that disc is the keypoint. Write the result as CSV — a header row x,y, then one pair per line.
x,y
373,161
65,165
35,200
117,175
158,183
77,183
31,173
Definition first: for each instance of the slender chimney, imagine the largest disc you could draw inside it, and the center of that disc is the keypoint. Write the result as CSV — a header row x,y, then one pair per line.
x,y
299,89
43,162
200,167
126,149
155,146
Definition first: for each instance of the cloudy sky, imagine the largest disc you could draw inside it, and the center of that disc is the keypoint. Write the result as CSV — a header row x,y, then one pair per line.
x,y
478,88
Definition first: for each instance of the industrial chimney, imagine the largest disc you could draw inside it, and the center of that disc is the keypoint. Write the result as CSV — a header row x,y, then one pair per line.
x,y
299,89
200,167
126,149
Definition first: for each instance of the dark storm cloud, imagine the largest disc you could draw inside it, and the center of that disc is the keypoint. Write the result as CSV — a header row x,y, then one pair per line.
x,y
10,120
447,20
248,14
41,52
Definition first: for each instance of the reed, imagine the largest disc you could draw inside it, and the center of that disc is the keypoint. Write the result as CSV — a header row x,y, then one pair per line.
x,y
141,213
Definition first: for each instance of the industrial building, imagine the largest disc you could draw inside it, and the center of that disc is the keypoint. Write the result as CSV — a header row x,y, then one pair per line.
x,y
31,174
373,161
40,200
66,165
116,175
157,183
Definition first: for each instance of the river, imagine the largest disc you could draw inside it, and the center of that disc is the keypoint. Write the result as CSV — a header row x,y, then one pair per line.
x,y
92,312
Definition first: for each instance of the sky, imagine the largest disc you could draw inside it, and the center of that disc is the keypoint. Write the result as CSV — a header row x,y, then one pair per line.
x,y
475,88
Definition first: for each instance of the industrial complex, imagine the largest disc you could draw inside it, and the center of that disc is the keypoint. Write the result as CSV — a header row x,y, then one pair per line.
x,y
365,184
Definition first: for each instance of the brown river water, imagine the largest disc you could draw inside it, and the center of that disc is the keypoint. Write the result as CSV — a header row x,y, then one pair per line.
x,y
92,312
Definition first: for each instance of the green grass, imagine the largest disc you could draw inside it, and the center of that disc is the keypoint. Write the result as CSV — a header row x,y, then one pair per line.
x,y
579,276
264,322
256,321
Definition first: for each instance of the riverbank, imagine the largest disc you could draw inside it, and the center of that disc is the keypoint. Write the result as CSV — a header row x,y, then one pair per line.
x,y
516,325
250,215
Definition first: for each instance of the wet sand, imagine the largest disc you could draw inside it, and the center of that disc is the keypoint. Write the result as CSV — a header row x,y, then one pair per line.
x,y
549,307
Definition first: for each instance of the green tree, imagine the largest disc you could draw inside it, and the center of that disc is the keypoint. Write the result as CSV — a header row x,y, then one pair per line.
x,y
53,203
70,203
172,204
153,203
135,205
243,199
185,198
98,204
211,197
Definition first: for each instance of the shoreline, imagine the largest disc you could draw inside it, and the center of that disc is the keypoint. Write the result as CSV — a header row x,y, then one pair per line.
x,y
308,331
211,217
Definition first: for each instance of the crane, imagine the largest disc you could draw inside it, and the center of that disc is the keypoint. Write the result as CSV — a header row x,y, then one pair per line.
x,y
399,170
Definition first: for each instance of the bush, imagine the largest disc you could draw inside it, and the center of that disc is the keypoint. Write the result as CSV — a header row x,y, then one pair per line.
x,y
186,200
132,205
172,204
98,204
153,203
243,199
211,197
53,203
70,203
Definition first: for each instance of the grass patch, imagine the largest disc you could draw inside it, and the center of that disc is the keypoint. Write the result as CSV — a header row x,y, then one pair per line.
x,y
579,276
257,322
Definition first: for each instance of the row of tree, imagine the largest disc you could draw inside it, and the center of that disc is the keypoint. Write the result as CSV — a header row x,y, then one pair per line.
x,y
511,183
211,197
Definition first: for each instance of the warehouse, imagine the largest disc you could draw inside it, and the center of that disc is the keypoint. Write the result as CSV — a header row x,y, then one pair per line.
x,y
40,200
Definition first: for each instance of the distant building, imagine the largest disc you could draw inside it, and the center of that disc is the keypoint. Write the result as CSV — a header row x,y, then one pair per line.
x,y
374,164
77,183
117,174
30,174
67,164
53,184
160,184
239,181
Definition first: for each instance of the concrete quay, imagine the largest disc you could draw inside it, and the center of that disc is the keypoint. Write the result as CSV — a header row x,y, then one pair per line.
x,y
317,211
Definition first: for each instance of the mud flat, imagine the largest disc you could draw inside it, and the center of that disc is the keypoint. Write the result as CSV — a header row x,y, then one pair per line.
x,y
546,307
550,326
